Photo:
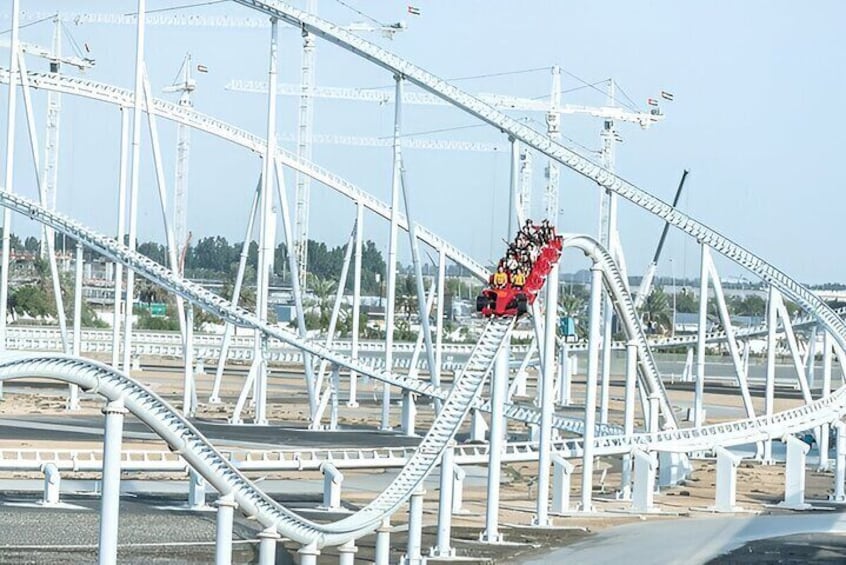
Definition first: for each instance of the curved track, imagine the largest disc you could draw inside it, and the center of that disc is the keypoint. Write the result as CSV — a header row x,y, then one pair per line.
x,y
205,459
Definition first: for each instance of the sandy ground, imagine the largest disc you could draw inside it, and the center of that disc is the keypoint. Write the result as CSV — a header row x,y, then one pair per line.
x,y
758,486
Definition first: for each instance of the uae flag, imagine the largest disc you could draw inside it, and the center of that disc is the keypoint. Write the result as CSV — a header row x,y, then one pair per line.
x,y
651,101
413,10
666,95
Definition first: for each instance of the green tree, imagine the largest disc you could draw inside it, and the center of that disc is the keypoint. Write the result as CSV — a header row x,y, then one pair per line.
x,y
656,311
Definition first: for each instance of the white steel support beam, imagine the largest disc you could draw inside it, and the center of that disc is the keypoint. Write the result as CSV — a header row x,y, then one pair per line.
x,y
135,176
423,307
42,195
794,348
161,184
769,386
699,387
442,547
73,399
9,176
223,531
110,497
628,417
266,241
214,397
293,267
121,234
725,318
439,314
499,385
352,402
825,430
305,123
51,140
547,396
396,181
590,391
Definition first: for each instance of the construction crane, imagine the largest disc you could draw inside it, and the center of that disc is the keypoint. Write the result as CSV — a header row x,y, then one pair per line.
x,y
185,85
50,173
552,109
500,101
646,283
305,123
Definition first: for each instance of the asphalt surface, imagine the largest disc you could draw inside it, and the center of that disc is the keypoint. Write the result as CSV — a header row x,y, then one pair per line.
x,y
86,428
687,542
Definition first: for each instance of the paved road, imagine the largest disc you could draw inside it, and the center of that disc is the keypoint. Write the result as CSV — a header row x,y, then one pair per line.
x,y
63,428
687,542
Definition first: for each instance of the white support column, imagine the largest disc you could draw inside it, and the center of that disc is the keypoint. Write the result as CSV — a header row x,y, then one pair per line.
x,y
628,418
499,384
442,547
392,253
189,387
726,487
409,413
565,376
562,471
110,497
332,481
135,176
547,396
346,553
214,397
590,392
73,399
121,233
439,313
266,227
413,554
52,484
226,506
382,551
196,490
699,393
268,538
643,493
478,427
794,474
652,425
356,305
824,435
308,554
839,462
10,167
769,387
458,490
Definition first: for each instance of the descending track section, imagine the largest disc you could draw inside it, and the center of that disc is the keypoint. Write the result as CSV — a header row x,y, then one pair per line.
x,y
221,307
184,438
624,305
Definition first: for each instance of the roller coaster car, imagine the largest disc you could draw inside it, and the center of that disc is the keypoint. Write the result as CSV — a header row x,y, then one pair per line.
x,y
514,301
508,301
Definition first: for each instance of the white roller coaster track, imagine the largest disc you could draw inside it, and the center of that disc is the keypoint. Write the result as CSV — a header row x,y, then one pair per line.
x,y
185,115
541,142
203,457
188,116
181,436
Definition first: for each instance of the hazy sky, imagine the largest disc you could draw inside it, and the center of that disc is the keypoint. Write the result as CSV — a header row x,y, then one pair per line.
x,y
758,87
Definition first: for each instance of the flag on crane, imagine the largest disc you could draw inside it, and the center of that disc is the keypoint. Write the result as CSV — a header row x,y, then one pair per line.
x,y
666,95
414,11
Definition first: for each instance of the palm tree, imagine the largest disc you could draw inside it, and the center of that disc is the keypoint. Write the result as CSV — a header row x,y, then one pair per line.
x,y
656,311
